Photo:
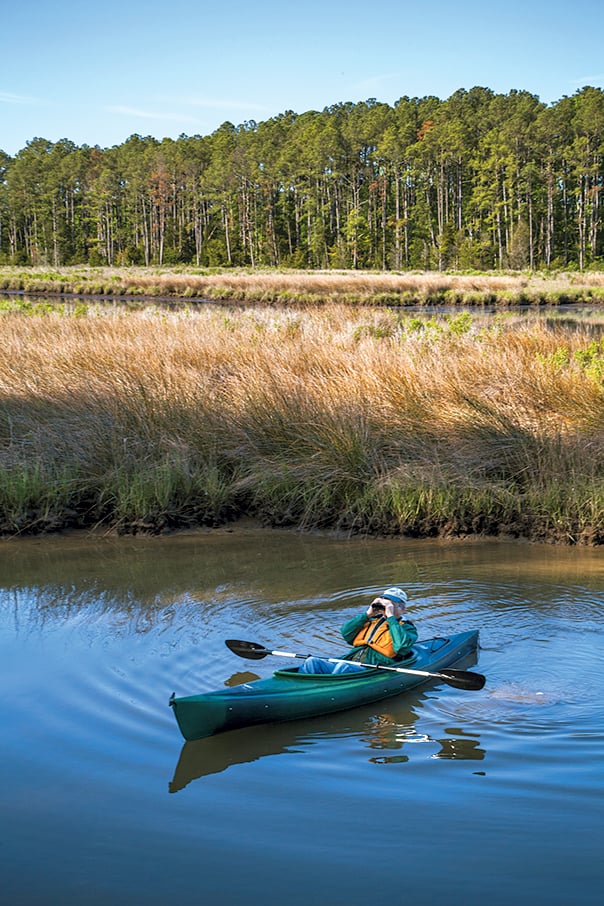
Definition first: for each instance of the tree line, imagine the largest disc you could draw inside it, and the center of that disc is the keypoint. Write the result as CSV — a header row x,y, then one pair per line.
x,y
478,181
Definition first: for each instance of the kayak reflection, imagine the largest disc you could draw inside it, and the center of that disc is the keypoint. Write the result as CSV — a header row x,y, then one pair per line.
x,y
386,735
394,729
462,745
203,757
391,734
245,676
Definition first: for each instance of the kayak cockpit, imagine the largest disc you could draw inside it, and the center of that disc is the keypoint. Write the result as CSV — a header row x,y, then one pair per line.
x,y
365,670
294,673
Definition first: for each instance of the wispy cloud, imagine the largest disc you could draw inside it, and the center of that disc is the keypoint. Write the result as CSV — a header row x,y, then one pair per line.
x,y
149,114
216,104
7,97
588,80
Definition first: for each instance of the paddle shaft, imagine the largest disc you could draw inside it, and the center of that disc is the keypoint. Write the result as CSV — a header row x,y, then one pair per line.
x,y
460,679
337,660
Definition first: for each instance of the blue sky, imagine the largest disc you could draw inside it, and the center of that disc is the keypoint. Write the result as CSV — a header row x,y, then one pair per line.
x,y
98,73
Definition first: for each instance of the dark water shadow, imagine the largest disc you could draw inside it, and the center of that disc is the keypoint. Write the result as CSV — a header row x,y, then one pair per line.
x,y
204,757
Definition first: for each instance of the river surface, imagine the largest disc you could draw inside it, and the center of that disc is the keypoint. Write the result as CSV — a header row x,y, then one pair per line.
x,y
485,798
568,314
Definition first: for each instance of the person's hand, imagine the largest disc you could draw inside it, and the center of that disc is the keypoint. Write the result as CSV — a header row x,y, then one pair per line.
x,y
377,607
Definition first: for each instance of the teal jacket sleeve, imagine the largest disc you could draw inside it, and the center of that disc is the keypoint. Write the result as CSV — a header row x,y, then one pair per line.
x,y
404,635
351,627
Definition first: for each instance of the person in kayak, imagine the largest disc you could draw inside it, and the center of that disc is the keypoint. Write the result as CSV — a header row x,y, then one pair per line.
x,y
381,635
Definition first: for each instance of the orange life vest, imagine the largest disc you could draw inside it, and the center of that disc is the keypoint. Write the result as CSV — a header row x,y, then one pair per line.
x,y
375,634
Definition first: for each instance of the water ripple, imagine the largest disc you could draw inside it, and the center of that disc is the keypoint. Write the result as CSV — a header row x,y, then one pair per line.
x,y
92,647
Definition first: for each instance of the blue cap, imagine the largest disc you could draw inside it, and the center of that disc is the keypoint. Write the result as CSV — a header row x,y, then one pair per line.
x,y
396,595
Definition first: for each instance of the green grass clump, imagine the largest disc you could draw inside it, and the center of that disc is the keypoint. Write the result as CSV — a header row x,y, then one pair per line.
x,y
36,498
154,496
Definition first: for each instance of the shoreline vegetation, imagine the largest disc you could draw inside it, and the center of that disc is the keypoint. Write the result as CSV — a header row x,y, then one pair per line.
x,y
330,410
308,287
480,181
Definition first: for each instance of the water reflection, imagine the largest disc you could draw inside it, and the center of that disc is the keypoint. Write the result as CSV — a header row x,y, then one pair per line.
x,y
238,679
382,730
460,745
204,757
388,732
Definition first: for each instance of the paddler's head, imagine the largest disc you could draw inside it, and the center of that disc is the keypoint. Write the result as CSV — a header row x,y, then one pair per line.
x,y
391,602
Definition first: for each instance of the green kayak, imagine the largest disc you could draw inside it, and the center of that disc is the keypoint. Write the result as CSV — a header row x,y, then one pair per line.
x,y
290,695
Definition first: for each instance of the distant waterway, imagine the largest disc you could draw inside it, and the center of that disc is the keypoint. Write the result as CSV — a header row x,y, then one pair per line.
x,y
437,796
564,313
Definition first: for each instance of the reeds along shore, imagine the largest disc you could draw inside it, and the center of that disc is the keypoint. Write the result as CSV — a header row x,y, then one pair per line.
x,y
310,287
362,420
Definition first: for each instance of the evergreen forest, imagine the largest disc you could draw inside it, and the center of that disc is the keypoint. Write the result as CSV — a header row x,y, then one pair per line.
x,y
479,181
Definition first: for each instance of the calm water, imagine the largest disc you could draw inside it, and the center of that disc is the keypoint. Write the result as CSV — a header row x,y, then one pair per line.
x,y
439,796
568,314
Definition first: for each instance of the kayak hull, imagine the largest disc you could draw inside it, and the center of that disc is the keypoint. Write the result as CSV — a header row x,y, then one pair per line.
x,y
290,695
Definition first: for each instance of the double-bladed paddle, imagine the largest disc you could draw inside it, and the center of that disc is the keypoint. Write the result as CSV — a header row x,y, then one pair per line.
x,y
460,679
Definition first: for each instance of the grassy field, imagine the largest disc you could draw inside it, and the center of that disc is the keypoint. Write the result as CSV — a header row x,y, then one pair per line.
x,y
310,287
362,419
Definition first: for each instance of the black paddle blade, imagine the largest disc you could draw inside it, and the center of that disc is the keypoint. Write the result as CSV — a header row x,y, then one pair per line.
x,y
251,650
462,679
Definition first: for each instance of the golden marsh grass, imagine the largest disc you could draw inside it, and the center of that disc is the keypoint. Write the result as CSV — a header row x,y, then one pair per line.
x,y
296,287
365,420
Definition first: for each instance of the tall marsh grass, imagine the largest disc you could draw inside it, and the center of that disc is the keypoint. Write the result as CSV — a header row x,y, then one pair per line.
x,y
297,287
362,420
